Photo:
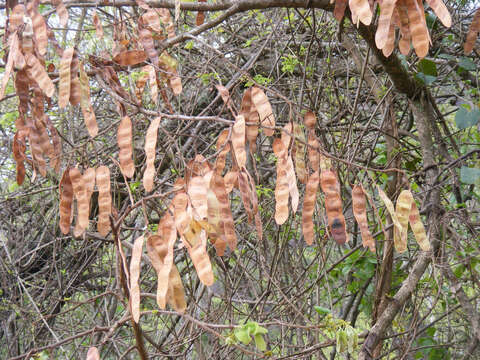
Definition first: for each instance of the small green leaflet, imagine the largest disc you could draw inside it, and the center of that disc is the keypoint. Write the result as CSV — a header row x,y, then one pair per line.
x,y
321,310
467,64
427,71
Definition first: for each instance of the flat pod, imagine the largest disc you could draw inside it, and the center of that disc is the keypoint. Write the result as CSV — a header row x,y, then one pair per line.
x,y
251,116
40,31
150,146
384,20
135,263
418,228
176,293
8,66
40,75
281,187
85,103
361,10
309,207
310,120
201,260
182,216
418,29
124,140
61,11
299,148
98,25
80,191
217,184
389,205
402,210
264,110
104,199
333,206
93,354
359,205
223,146
66,200
130,57
472,34
157,251
245,193
75,86
197,190
146,40
339,10
313,153
238,141
152,81
441,11
64,74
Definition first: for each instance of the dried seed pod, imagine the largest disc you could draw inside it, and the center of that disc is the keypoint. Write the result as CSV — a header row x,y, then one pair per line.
x,y
66,200
441,11
309,206
245,193
176,293
359,204
75,86
238,141
389,205
384,20
292,184
333,206
89,181
40,75
36,150
361,11
472,34
130,57
93,354
281,188
200,258
313,154
146,39
339,10
135,263
104,200
250,113
40,32
124,140
264,110
223,147
182,216
80,191
197,190
418,28
98,25
390,44
217,184
310,120
9,66
64,74
61,11
402,210
152,81
150,146
299,148
406,39
231,181
85,103
418,228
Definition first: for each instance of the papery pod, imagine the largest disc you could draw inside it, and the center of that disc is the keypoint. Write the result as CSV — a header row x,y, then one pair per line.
x,y
472,34
231,181
166,19
310,120
66,201
61,11
151,20
182,216
418,28
40,75
152,81
93,354
245,193
339,9
9,65
333,206
264,110
75,86
146,39
124,140
389,205
18,149
64,74
313,153
250,113
359,205
299,157
85,103
43,138
281,188
254,201
309,207
214,218
104,200
197,190
89,181
441,11
55,160
390,44
406,39
418,228
17,55
223,146
80,191
176,293
140,85
384,20
40,31
16,18
361,11
238,141
36,150
200,258
292,184
22,90
217,184
225,95
150,146
402,210
98,25
130,57
135,264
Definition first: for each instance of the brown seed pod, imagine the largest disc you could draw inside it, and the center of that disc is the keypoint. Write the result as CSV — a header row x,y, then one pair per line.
x,y
299,150
281,188
64,74
418,228
197,190
98,25
339,9
61,11
150,146
124,140
85,103
238,141
264,110
360,11
80,191
200,258
359,205
182,216
310,120
245,194
93,354
75,86
333,206
40,32
130,57
104,200
418,28
66,201
389,205
176,293
135,263
40,75
146,39
313,154
384,20
402,210
217,184
309,207
224,147
36,150
250,113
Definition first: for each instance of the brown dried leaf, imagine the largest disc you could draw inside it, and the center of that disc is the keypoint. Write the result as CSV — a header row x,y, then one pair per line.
x,y
309,206
359,205
66,201
64,74
104,200
333,206
130,57
135,263
124,140
150,146
264,110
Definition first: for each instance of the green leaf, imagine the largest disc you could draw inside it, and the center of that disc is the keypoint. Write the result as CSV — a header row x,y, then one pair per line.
x,y
321,310
467,64
428,67
342,341
470,175
260,342
242,335
426,79
465,118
